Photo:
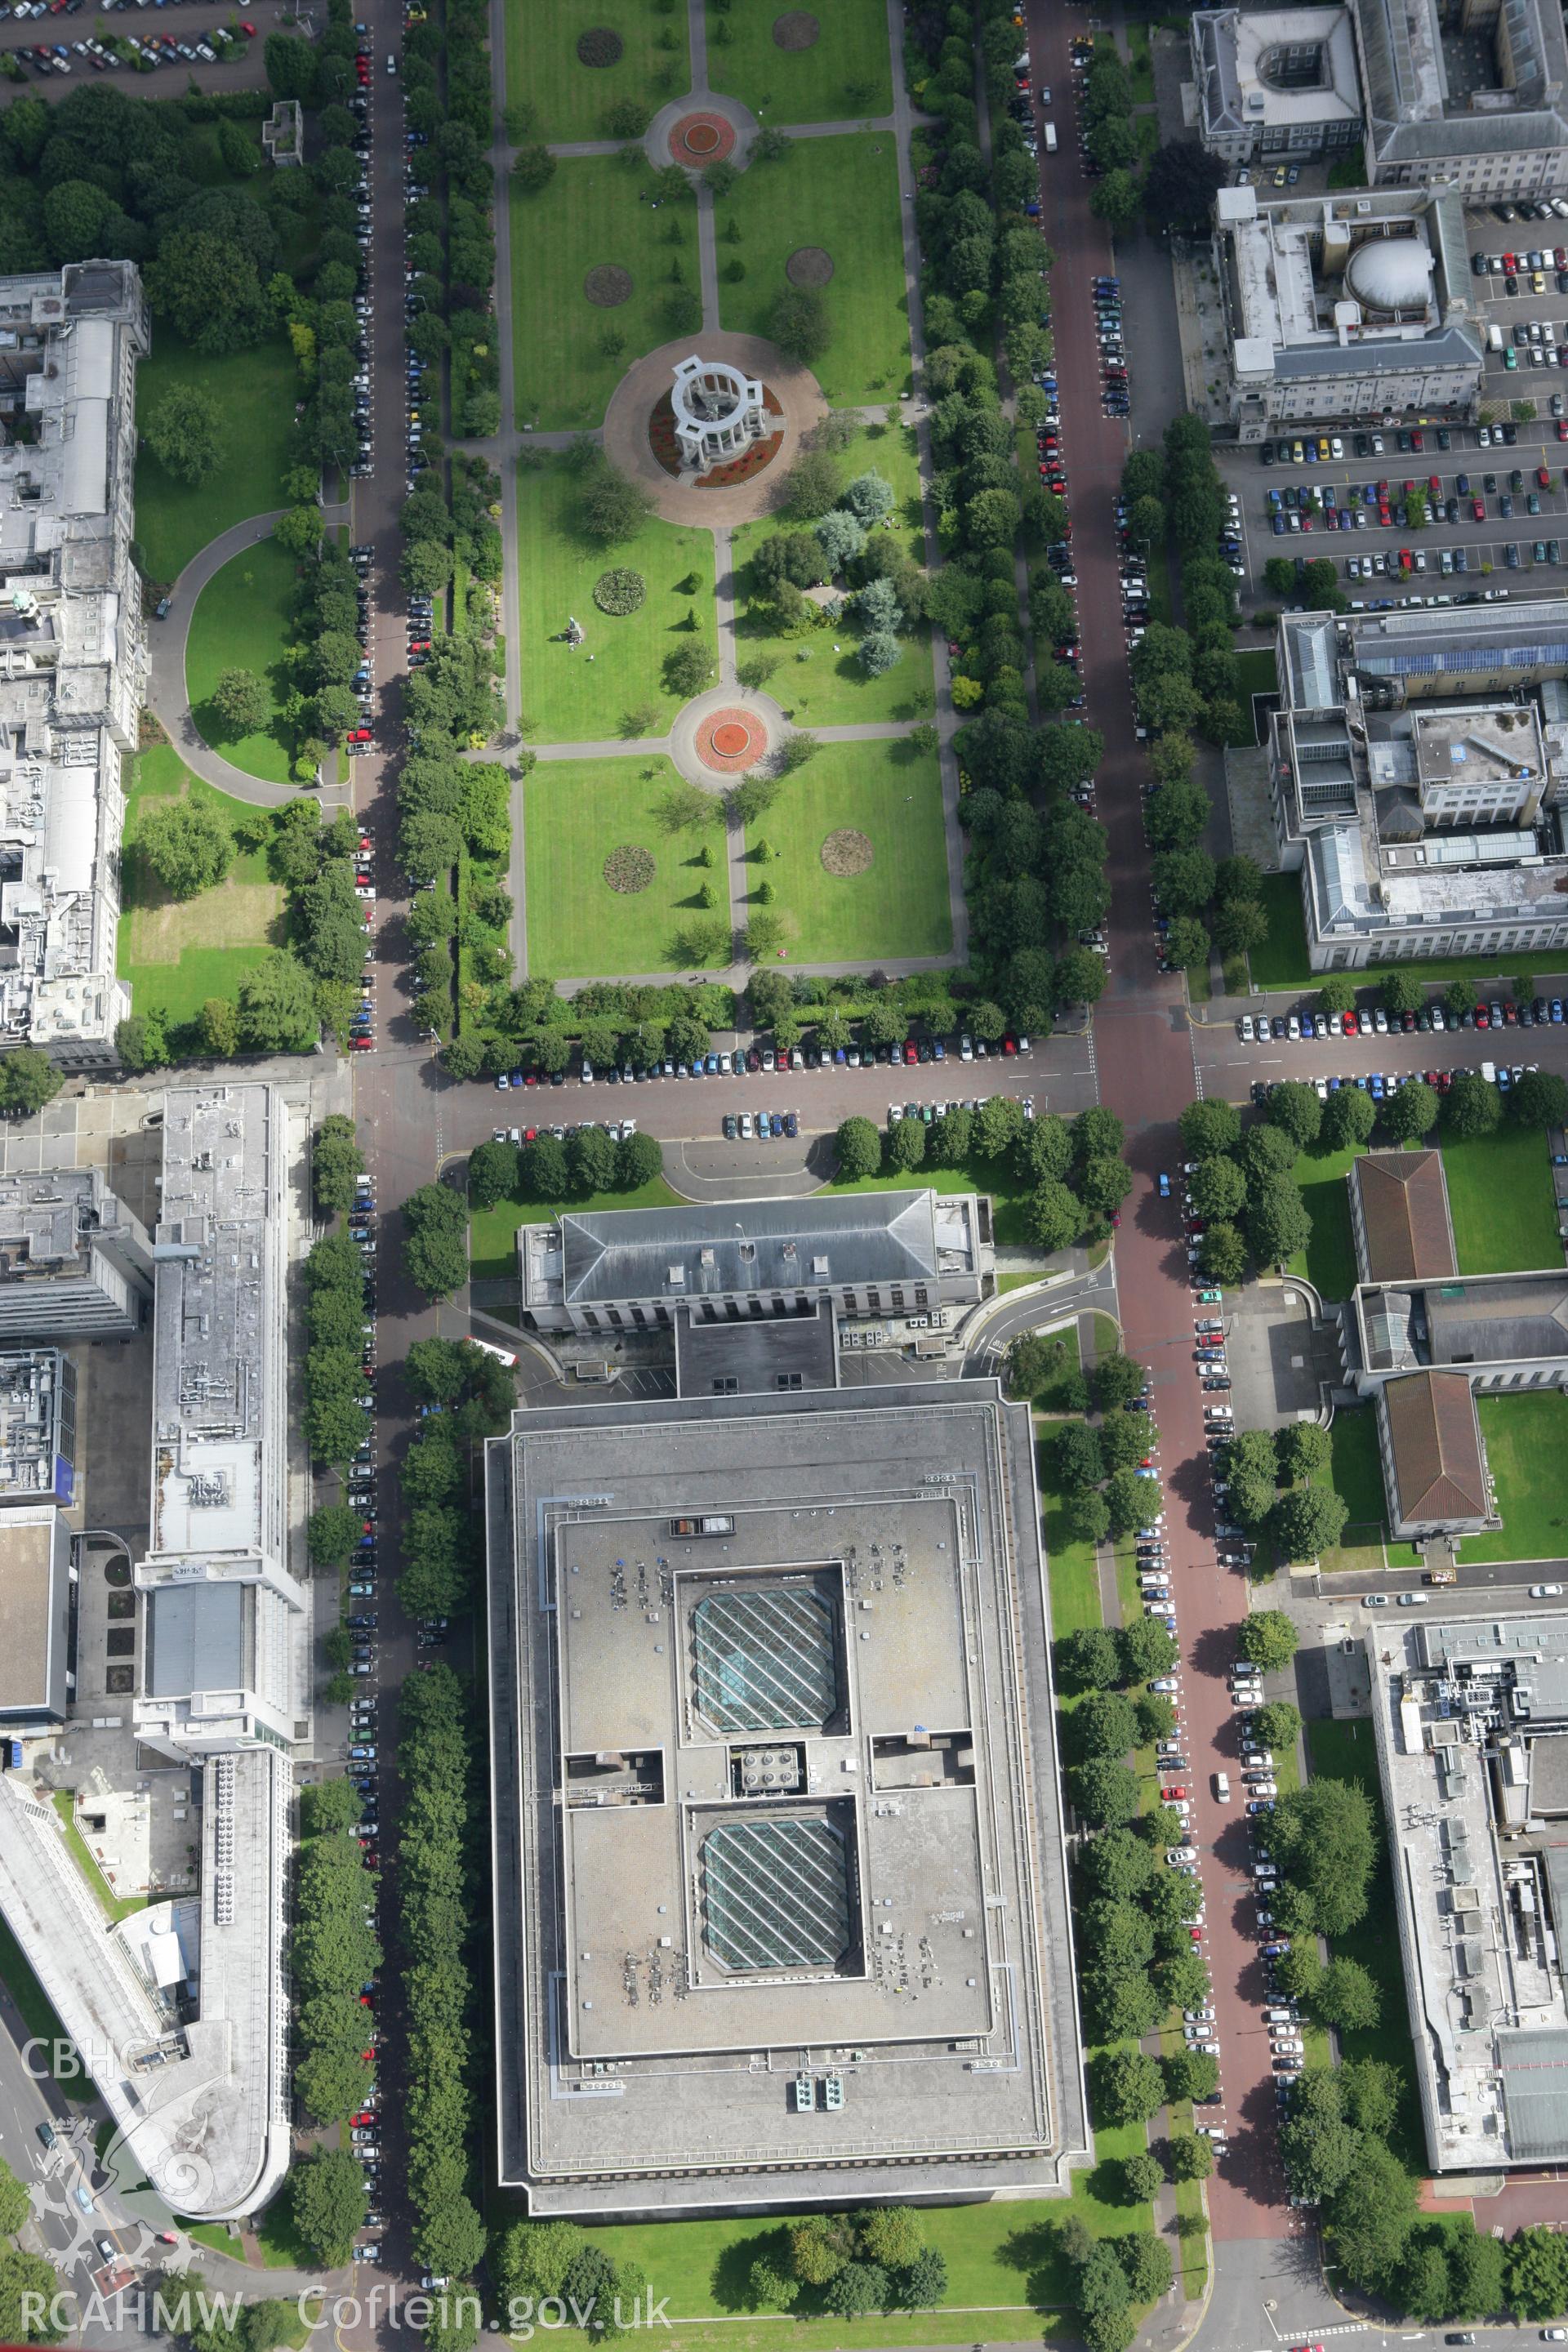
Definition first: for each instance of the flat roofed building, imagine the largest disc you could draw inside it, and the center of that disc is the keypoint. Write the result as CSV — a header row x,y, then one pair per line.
x,y
1418,774
1345,307
867,1251
1470,1717
37,1426
225,1623
74,1263
1275,83
780,1894
37,1610
73,652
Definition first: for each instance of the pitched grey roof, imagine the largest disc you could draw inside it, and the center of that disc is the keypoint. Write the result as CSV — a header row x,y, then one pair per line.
x,y
1373,356
713,1249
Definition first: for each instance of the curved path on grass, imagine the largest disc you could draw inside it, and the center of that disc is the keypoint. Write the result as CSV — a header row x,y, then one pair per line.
x,y
167,697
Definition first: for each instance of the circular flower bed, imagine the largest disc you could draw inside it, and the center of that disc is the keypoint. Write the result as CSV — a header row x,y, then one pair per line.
x,y
847,852
629,869
601,45
797,30
607,285
699,139
809,264
729,740
619,591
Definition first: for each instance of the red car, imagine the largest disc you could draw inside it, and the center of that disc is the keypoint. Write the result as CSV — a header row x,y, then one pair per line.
x,y
1418,440
1352,1026
1009,1045
1483,1018
1544,477
365,2115
1166,1794
1478,508
1433,485
1563,428
911,1051
361,1045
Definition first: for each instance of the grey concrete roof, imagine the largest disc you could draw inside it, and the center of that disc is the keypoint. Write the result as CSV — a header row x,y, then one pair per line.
x,y
756,1359
1447,347
194,1639
727,1246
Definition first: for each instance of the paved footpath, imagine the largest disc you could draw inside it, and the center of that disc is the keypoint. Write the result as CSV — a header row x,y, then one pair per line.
x,y
166,696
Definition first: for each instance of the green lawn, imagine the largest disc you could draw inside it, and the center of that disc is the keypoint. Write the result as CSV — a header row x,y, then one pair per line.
x,y
841,194
572,100
820,680
576,812
898,906
1521,1434
1502,1202
255,391
1281,960
1063,1338
1072,1567
1355,1474
242,621
176,953
587,219
1329,1259
1140,69
1345,1751
581,695
844,73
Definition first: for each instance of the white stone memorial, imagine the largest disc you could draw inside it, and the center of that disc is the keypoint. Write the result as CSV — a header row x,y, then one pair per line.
x,y
718,413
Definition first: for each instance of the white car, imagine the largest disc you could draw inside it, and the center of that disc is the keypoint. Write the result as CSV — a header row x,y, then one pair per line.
x,y
1198,2016
1260,1756
1546,1593
1175,1853
1246,1028
1286,2044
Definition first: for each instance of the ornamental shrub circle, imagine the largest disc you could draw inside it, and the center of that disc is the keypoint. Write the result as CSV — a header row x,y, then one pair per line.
x,y
600,46
619,590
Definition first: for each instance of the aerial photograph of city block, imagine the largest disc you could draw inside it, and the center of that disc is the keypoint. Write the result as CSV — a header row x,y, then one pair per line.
x,y
601,602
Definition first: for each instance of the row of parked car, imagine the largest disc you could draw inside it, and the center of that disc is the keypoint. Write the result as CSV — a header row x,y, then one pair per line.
x,y
122,49
750,1061
1499,1012
362,1618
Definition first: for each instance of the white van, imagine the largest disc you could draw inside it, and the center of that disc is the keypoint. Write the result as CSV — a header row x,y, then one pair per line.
x,y
1051,138
1222,1787
1494,337
1489,1072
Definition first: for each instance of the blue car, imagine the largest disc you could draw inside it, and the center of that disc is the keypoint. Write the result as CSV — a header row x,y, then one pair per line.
x,y
775,1124
1555,1008
1375,1086
792,1124
1164,1186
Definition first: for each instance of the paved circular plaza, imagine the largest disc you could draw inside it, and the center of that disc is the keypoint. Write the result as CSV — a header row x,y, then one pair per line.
x,y
791,389
696,140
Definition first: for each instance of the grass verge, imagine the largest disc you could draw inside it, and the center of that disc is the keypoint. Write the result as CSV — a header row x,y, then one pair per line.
x,y
1328,1261
1281,960
1355,1474
113,1907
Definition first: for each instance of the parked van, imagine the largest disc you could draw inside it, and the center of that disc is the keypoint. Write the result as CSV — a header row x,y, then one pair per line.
x,y
1489,1072
1222,1787
1051,138
1494,338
